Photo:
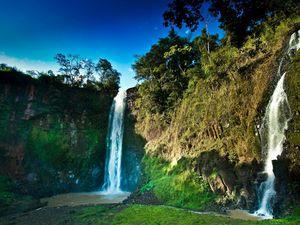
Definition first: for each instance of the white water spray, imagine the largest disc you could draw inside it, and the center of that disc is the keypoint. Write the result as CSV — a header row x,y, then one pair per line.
x,y
275,123
112,177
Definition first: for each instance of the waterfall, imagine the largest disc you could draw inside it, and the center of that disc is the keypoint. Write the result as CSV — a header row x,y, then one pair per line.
x,y
276,118
112,176
275,123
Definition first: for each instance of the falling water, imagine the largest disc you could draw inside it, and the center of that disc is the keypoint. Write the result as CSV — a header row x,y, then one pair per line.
x,y
112,177
275,123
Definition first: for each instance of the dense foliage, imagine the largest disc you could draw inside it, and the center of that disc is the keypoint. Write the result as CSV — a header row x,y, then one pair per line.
x,y
239,18
163,72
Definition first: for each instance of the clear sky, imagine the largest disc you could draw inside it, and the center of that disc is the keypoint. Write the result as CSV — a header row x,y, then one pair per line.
x,y
33,31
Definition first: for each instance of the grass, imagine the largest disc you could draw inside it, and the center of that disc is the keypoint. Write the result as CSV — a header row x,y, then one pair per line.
x,y
99,215
161,215
154,215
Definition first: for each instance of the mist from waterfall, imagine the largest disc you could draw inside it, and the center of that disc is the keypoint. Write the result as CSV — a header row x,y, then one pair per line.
x,y
275,123
112,176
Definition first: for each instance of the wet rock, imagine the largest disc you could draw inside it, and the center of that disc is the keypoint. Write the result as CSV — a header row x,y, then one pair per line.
x,y
31,177
287,193
261,177
227,178
96,172
218,171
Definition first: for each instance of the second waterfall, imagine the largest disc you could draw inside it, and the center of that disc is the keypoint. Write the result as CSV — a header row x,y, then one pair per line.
x,y
112,176
274,126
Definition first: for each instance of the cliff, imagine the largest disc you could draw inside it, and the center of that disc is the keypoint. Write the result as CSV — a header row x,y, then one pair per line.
x,y
52,136
133,148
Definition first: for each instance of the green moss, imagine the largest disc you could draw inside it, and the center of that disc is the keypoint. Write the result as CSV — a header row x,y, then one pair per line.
x,y
6,195
176,185
292,84
147,187
50,146
214,174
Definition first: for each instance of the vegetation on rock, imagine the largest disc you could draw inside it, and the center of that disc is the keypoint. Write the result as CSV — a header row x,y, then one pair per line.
x,y
220,105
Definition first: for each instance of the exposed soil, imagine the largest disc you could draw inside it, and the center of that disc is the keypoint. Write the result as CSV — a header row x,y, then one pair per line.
x,y
147,198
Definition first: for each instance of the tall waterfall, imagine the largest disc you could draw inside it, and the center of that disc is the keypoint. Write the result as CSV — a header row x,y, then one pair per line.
x,y
275,123
112,177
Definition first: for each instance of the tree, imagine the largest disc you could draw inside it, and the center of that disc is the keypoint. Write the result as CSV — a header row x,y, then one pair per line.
x,y
76,65
109,77
201,43
104,69
70,67
89,68
163,71
3,66
237,17
169,53
65,64
33,73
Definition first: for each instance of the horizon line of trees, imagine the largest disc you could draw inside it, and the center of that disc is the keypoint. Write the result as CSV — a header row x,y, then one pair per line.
x,y
75,71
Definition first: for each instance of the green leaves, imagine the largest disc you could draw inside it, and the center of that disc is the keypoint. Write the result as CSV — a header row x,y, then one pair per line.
x,y
163,71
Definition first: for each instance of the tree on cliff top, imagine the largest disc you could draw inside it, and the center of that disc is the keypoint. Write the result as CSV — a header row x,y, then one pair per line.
x,y
80,72
70,67
109,77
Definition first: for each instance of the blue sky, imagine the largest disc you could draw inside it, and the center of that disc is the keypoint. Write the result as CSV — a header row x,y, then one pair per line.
x,y
33,31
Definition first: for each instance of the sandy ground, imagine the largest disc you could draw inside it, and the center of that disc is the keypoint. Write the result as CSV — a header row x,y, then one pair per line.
x,y
85,198
242,215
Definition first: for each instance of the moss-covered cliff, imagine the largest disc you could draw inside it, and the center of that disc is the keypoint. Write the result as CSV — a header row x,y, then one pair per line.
x,y
52,136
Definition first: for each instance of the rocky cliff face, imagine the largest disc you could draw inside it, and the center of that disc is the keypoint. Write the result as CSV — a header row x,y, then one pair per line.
x,y
133,148
52,136
228,178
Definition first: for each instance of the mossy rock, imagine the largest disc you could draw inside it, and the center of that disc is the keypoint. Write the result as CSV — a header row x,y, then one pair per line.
x,y
292,87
